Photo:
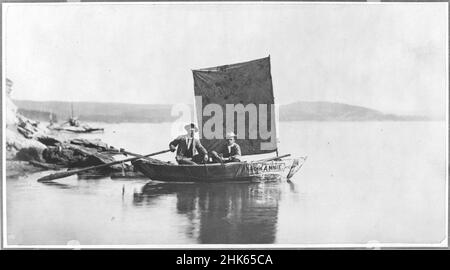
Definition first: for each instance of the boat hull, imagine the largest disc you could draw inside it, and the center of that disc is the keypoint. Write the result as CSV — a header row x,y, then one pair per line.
x,y
78,129
228,172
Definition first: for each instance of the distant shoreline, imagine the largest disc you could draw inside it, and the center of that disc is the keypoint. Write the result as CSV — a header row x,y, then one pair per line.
x,y
116,113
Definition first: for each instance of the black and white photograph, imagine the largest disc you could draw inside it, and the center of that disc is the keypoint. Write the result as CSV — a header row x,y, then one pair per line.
x,y
224,125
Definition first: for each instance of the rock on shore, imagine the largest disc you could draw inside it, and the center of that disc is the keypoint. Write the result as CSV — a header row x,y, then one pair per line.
x,y
32,147
17,168
20,134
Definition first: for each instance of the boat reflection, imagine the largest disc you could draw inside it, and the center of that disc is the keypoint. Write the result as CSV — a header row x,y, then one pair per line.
x,y
222,213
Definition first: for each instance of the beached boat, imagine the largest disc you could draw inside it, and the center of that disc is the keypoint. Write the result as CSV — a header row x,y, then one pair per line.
x,y
73,125
235,84
76,129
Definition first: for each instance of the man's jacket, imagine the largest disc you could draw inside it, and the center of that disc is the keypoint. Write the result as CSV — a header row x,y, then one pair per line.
x,y
185,150
230,151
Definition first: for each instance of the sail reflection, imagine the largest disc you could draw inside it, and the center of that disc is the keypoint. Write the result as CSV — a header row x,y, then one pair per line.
x,y
222,213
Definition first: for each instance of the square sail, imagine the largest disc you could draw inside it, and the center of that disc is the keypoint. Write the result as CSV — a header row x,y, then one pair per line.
x,y
241,95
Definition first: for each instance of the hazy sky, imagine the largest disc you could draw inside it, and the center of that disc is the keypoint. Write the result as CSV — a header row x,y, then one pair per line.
x,y
390,57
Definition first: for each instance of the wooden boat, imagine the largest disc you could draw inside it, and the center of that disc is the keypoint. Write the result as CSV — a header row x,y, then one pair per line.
x,y
73,125
217,172
75,129
236,84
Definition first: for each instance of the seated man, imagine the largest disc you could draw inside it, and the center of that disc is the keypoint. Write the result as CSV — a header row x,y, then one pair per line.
x,y
190,150
229,152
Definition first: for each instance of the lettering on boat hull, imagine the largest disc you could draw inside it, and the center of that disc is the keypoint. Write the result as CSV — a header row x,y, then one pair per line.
x,y
266,168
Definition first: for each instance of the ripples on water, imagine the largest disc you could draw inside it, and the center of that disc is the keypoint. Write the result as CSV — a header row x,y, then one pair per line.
x,y
154,212
224,212
362,182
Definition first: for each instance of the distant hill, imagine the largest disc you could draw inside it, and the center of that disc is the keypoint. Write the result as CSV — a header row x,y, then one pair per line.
x,y
38,115
98,112
154,113
329,111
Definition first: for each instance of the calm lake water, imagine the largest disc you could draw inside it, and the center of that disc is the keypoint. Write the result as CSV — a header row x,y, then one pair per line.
x,y
363,182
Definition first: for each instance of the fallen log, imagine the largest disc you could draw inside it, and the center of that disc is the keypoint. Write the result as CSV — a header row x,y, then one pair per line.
x,y
44,165
96,144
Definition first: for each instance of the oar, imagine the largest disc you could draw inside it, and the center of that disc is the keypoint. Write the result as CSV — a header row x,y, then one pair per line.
x,y
69,173
125,152
131,153
272,158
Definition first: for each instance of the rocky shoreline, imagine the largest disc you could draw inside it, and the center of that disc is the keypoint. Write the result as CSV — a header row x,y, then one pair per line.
x,y
44,150
32,147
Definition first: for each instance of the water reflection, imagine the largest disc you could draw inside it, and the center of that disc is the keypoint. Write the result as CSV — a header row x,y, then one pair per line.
x,y
222,213
292,186
57,184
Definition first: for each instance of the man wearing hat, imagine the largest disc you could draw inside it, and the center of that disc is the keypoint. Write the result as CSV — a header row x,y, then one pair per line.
x,y
190,150
229,152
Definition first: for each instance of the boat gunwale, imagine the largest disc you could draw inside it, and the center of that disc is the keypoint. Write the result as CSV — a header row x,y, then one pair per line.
x,y
211,164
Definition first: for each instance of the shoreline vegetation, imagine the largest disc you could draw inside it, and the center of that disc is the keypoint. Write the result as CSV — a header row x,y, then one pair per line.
x,y
161,113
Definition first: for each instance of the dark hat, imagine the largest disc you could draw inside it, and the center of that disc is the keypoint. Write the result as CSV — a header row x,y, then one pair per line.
x,y
190,127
